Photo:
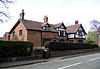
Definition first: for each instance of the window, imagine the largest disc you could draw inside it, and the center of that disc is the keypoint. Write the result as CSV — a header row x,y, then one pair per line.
x,y
44,28
71,36
13,33
20,32
8,37
62,33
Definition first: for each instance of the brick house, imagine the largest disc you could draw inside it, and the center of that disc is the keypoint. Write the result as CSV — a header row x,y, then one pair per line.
x,y
39,33
98,36
1,38
6,36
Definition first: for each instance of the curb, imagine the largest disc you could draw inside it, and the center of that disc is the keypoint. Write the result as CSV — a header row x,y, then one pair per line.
x,y
15,65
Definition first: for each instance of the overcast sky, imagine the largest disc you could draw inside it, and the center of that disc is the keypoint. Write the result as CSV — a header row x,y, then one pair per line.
x,y
57,10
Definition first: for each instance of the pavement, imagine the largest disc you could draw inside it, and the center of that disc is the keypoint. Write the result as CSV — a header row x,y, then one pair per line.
x,y
20,63
30,62
89,61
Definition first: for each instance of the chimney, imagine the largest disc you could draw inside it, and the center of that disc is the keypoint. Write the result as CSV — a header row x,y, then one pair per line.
x,y
22,15
76,21
45,19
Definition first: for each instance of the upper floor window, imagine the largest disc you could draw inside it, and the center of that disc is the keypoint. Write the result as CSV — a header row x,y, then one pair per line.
x,y
20,32
44,28
62,33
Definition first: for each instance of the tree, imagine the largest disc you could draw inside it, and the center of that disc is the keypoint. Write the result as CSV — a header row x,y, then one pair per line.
x,y
94,25
4,5
91,37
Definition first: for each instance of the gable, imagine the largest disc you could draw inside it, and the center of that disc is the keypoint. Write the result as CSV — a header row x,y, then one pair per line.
x,y
74,28
17,28
14,26
60,25
80,32
81,29
18,32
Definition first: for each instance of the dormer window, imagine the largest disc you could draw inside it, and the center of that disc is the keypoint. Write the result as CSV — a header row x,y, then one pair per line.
x,y
44,28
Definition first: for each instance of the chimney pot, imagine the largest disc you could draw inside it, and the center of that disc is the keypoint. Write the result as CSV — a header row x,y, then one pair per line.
x,y
76,21
45,19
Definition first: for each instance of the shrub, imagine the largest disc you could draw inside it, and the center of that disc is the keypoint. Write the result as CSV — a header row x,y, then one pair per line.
x,y
15,48
67,46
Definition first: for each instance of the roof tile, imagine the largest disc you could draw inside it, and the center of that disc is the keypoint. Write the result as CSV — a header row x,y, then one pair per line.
x,y
72,28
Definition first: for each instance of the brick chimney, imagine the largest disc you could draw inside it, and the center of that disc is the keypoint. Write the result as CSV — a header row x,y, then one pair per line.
x,y
76,22
22,15
45,19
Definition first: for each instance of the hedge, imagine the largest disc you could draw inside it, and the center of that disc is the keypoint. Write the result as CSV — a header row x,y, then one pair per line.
x,y
16,43
15,48
68,46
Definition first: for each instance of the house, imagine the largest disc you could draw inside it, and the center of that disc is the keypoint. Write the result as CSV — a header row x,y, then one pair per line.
x,y
6,36
40,33
1,38
76,33
98,36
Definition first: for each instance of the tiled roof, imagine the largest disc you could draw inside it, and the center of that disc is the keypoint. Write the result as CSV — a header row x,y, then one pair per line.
x,y
59,25
72,28
33,25
45,24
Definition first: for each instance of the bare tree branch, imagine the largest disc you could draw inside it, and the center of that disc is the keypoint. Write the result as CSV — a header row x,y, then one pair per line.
x,y
5,5
1,20
3,13
9,1
95,24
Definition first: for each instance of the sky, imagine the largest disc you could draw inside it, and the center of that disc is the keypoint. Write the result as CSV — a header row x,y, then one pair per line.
x,y
66,11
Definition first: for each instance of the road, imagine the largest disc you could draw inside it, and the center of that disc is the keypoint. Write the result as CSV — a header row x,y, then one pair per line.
x,y
91,61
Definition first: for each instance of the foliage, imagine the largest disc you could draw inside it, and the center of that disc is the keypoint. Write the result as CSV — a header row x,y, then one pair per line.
x,y
16,43
15,48
68,46
91,37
